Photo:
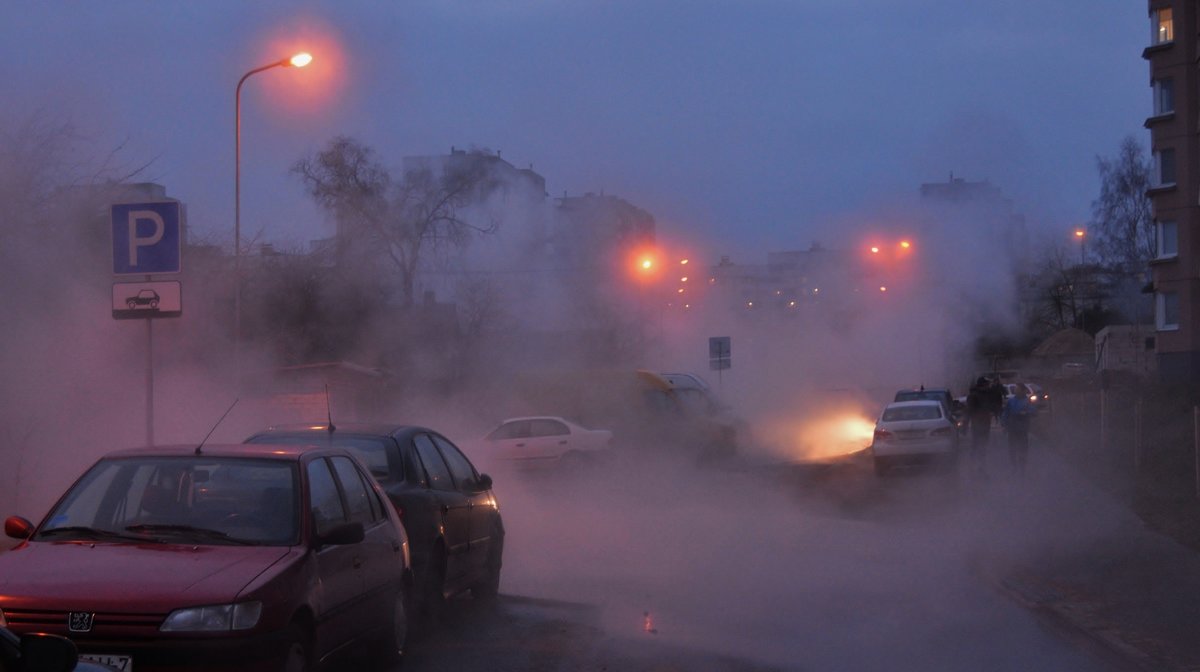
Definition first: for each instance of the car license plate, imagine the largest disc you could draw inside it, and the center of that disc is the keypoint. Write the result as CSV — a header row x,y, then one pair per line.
x,y
123,663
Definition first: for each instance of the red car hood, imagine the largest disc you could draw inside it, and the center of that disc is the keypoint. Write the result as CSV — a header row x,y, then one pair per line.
x,y
128,577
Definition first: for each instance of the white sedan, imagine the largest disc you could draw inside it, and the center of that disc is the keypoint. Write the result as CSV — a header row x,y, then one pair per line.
x,y
912,432
545,440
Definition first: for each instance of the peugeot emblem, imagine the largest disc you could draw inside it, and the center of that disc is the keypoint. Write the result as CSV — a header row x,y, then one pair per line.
x,y
80,621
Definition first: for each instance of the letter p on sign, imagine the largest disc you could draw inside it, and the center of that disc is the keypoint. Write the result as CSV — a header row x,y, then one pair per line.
x,y
146,238
136,241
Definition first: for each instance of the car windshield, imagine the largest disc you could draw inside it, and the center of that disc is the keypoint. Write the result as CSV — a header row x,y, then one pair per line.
x,y
916,412
193,500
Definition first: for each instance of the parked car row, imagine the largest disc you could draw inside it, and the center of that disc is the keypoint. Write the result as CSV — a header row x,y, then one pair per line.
x,y
280,553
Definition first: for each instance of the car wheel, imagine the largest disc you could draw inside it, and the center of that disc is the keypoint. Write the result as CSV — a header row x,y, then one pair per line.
x,y
488,587
394,640
131,304
154,305
297,656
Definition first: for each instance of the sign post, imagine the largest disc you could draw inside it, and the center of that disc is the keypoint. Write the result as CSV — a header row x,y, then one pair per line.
x,y
147,239
720,349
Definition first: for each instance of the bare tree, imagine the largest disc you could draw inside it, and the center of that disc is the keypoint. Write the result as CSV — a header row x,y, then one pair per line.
x,y
1121,220
404,220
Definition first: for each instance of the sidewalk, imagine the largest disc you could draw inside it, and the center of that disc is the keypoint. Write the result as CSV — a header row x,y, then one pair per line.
x,y
1099,574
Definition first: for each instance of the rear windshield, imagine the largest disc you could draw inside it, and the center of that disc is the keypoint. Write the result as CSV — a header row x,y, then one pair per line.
x,y
371,451
922,412
919,396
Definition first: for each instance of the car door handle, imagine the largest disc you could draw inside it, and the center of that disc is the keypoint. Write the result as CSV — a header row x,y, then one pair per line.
x,y
563,442
520,445
445,508
358,561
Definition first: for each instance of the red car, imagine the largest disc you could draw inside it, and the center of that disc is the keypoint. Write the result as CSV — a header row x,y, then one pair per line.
x,y
244,557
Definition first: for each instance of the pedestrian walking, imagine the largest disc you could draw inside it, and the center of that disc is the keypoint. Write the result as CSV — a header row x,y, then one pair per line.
x,y
980,411
1016,418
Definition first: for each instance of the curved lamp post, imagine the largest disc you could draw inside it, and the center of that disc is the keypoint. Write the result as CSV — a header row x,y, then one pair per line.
x,y
298,61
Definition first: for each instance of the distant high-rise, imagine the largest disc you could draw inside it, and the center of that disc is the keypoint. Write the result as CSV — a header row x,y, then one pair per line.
x,y
1173,194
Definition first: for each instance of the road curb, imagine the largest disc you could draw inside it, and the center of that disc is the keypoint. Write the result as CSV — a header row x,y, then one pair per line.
x,y
1080,618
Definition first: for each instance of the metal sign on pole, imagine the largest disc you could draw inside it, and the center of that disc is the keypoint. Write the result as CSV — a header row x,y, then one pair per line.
x,y
720,349
138,300
147,239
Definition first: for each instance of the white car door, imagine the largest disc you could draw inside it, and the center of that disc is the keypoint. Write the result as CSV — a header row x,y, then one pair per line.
x,y
509,441
551,438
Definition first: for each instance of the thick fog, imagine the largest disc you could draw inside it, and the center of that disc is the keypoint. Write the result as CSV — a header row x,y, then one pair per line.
x,y
757,557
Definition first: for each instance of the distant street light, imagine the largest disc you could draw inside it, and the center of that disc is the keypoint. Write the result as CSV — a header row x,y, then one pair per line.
x,y
1081,236
297,61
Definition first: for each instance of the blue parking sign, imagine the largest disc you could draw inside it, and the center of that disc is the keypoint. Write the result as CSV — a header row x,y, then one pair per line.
x,y
146,238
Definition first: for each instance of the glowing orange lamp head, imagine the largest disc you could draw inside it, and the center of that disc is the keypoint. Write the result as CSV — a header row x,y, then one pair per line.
x,y
300,60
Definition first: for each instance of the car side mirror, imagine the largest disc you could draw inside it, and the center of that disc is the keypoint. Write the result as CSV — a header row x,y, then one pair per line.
x,y
342,535
18,528
484,482
51,653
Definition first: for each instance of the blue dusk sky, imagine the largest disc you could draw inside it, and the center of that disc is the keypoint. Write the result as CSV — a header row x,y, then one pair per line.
x,y
756,125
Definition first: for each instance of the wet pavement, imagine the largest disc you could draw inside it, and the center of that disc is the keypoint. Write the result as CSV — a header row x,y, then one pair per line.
x,y
1106,581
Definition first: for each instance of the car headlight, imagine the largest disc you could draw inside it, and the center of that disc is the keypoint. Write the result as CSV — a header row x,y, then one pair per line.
x,y
219,618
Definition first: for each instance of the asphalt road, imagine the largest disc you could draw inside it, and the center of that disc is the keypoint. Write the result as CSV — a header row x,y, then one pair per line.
x,y
785,568
767,567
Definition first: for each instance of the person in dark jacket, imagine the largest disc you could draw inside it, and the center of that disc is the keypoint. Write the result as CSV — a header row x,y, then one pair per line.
x,y
981,408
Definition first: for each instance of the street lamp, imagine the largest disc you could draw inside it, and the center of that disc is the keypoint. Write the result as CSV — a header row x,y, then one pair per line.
x,y
297,61
1080,235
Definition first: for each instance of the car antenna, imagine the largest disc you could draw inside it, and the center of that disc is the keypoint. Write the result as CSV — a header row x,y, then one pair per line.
x,y
329,410
214,427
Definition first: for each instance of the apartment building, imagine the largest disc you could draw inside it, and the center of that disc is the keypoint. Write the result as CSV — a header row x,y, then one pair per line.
x,y
1174,195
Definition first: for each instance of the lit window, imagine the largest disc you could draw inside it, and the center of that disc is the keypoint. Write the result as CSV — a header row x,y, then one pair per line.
x,y
1164,96
1166,235
1161,25
1164,164
1166,314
